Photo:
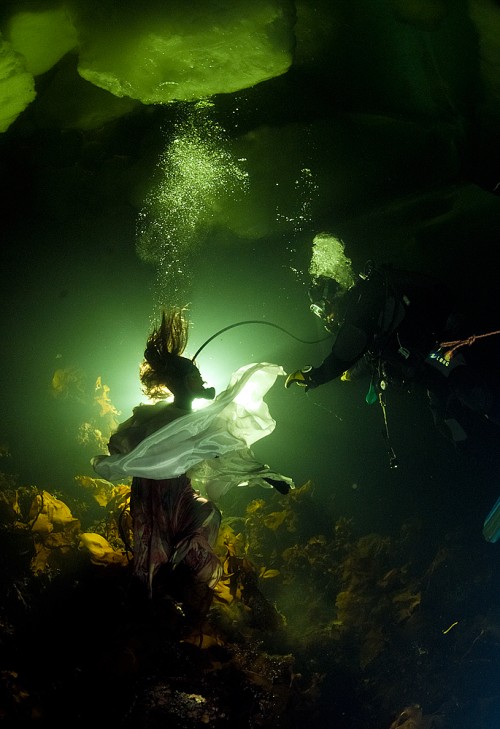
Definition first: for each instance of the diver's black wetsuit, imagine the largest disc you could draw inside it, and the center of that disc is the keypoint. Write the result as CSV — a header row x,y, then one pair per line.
x,y
390,323
391,316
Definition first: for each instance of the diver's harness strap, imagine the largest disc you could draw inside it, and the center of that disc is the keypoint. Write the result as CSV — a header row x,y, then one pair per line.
x,y
442,357
387,329
393,461
380,380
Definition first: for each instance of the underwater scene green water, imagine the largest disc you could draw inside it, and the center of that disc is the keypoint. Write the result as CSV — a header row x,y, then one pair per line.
x,y
193,155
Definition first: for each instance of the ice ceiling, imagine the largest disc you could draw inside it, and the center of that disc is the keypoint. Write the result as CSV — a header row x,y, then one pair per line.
x,y
332,109
154,52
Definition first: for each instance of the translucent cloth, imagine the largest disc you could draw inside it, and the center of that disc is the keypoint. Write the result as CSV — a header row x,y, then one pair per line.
x,y
211,445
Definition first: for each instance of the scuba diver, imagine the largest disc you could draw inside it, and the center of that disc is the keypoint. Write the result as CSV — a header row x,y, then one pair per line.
x,y
390,324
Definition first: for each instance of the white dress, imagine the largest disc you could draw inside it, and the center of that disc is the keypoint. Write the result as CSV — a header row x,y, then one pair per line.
x,y
211,446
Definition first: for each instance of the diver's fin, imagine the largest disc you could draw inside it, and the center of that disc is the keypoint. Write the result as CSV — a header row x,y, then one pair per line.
x,y
491,528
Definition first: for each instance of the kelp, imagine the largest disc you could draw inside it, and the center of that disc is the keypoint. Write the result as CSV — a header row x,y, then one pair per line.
x,y
55,534
302,601
116,522
412,717
100,550
99,417
69,383
239,589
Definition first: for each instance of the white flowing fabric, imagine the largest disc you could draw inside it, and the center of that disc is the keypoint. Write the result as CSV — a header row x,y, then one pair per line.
x,y
214,477
212,445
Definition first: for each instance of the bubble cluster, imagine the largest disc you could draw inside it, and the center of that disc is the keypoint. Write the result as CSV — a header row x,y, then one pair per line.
x,y
305,190
328,259
196,174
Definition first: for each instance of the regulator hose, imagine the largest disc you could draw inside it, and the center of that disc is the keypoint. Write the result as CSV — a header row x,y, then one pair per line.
x,y
256,321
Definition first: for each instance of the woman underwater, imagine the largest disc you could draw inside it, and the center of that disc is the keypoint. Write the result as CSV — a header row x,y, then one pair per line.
x,y
175,454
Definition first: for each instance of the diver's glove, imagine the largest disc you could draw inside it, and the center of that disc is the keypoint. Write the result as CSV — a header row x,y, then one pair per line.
x,y
282,486
301,377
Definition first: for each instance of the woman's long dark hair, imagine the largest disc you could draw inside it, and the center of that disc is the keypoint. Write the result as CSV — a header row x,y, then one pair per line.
x,y
162,362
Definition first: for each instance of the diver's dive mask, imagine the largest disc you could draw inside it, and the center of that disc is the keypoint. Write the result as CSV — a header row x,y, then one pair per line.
x,y
318,310
321,294
323,311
